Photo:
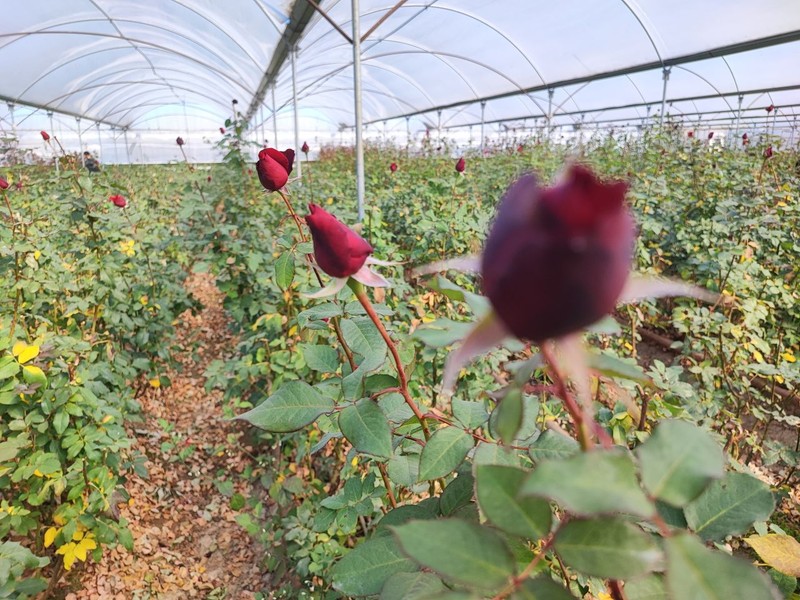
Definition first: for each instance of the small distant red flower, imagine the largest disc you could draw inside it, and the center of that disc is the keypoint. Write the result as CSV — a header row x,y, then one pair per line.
x,y
235,101
19,185
222,130
770,108
3,183
274,167
118,200
338,250
393,167
461,165
208,179
710,134
179,141
305,148
520,148
768,152
690,134
45,136
745,139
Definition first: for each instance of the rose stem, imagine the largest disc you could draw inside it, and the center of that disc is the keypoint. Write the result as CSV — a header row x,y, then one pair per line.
x,y
361,294
335,320
584,436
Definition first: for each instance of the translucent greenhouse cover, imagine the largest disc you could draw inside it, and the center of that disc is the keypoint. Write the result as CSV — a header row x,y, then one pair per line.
x,y
123,78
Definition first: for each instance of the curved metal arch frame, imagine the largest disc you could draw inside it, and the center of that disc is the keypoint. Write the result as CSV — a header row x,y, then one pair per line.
x,y
127,110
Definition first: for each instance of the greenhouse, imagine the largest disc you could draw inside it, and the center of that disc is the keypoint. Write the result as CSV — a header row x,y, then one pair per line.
x,y
413,299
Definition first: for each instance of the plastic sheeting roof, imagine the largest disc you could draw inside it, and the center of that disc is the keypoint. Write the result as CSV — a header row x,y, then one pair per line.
x,y
175,65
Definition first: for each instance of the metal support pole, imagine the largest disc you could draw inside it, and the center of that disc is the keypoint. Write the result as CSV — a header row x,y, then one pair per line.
x,y
274,119
439,125
665,76
13,119
550,93
127,148
739,114
99,141
360,188
52,146
299,163
483,126
263,131
80,142
408,131
114,139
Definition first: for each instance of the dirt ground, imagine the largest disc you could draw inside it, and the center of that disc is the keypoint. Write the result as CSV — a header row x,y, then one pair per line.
x,y
187,542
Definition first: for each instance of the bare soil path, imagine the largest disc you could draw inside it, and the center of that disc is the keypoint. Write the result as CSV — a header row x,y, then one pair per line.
x,y
187,543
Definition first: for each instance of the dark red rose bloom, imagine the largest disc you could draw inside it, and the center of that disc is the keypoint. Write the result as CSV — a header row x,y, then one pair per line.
x,y
305,148
461,165
744,137
520,148
393,167
19,185
770,108
710,134
690,134
179,141
556,259
118,201
222,130
338,250
768,152
3,183
208,179
45,136
273,168
235,101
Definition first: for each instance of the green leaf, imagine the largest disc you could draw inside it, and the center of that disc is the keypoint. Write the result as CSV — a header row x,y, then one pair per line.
x,y
478,304
679,461
318,313
442,332
364,570
607,547
365,426
457,494
497,490
597,482
541,588
365,340
444,452
779,551
462,552
651,587
470,414
729,506
284,270
61,421
494,454
694,571
507,416
403,469
293,406
552,445
8,367
411,586
320,358
617,367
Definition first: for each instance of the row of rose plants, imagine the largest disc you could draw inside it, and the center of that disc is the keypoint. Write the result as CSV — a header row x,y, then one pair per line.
x,y
91,287
472,494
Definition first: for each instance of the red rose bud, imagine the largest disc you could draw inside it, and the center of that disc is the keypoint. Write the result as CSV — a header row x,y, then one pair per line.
x,y
273,168
770,108
690,134
744,137
45,136
768,152
710,134
118,201
19,185
208,179
222,130
3,183
520,148
305,148
393,167
556,259
179,141
338,250
461,165
234,101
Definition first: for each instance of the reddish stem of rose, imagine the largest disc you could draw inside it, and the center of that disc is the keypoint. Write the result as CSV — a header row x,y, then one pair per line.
x,y
581,427
518,580
362,297
387,484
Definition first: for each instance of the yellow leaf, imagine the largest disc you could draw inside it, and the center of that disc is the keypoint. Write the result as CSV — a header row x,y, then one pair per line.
x,y
788,357
155,382
59,520
36,254
758,356
68,552
24,353
779,551
38,473
33,374
50,536
84,546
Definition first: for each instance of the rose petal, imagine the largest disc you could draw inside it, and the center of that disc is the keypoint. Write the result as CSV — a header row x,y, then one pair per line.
x,y
369,277
382,263
334,287
641,287
468,264
488,333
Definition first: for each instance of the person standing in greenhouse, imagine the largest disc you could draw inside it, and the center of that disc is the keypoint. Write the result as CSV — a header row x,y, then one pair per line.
x,y
90,162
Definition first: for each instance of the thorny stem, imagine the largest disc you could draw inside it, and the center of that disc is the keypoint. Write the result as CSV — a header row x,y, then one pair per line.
x,y
518,580
388,485
616,590
362,297
335,320
581,427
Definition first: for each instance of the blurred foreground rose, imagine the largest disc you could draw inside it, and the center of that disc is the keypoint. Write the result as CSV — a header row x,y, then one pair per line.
x,y
461,165
118,200
45,136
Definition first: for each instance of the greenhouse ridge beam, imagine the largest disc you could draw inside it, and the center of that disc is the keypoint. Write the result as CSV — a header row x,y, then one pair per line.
x,y
302,11
722,51
14,101
572,113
